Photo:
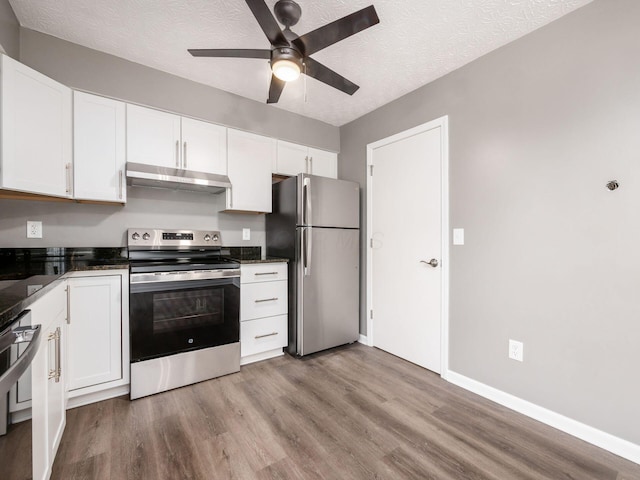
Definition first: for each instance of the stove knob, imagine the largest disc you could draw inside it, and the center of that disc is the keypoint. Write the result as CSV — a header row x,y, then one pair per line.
x,y
135,236
146,236
216,238
207,237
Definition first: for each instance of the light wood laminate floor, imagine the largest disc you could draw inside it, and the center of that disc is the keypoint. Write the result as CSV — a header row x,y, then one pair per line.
x,y
351,413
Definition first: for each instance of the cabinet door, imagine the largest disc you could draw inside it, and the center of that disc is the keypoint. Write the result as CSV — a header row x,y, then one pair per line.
x,y
204,146
292,159
48,370
323,163
153,137
36,131
94,331
99,148
250,160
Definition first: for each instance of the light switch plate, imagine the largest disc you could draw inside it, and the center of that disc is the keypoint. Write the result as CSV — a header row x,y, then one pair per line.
x,y
246,234
458,236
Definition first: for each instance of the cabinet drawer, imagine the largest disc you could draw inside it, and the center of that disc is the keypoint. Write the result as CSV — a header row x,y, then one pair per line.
x,y
262,335
263,272
265,299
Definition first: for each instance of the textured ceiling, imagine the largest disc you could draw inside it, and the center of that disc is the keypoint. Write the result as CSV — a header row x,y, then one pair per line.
x,y
415,42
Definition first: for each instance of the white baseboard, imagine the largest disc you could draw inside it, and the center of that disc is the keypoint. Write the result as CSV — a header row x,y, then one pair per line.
x,y
364,340
258,357
99,396
613,444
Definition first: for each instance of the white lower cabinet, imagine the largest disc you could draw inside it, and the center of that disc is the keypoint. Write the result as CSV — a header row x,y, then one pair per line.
x,y
263,311
98,336
48,379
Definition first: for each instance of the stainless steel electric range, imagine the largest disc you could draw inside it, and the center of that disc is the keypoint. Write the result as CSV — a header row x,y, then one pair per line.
x,y
184,313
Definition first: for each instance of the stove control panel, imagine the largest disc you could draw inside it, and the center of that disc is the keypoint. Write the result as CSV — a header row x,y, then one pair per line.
x,y
155,238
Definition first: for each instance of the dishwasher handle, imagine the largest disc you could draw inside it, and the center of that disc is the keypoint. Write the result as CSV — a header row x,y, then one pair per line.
x,y
13,374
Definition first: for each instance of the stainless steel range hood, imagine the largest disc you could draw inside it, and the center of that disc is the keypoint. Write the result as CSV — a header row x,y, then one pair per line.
x,y
140,174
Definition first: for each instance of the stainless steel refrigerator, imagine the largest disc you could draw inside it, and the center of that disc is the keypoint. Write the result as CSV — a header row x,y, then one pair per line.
x,y
315,224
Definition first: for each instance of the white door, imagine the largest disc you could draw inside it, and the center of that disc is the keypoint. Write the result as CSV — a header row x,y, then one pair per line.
x,y
153,137
204,146
99,148
405,244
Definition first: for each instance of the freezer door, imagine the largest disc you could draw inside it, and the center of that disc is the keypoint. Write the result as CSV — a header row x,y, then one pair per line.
x,y
327,202
328,289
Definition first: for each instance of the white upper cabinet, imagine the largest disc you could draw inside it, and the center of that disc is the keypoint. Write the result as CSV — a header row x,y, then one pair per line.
x,y
204,146
167,140
250,160
99,148
153,137
293,159
36,132
323,163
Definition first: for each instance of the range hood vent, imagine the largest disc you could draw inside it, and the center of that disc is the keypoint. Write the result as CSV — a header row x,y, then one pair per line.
x,y
140,174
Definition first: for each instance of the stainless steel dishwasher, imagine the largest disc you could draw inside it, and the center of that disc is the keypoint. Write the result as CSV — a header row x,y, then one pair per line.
x,y
18,345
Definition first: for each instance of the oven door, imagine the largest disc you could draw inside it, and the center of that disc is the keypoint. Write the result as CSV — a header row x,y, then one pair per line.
x,y
167,317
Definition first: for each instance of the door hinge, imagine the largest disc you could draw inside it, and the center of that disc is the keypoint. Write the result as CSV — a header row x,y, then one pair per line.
x,y
371,314
371,243
371,170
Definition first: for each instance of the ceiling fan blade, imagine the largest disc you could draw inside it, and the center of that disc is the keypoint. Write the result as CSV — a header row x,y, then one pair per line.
x,y
230,52
322,37
326,75
275,89
268,24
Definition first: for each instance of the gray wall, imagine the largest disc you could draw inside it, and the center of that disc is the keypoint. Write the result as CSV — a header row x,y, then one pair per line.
x,y
68,224
86,69
537,128
9,30
86,225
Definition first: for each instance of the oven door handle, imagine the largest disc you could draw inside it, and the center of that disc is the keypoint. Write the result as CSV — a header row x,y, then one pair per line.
x,y
147,287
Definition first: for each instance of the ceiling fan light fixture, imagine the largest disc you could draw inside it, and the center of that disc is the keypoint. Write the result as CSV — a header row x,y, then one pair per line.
x,y
286,70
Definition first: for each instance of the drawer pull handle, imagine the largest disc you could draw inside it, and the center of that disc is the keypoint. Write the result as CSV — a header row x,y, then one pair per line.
x,y
267,300
267,335
265,273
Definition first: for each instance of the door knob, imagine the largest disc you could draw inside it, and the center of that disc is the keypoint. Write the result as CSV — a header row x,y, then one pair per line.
x,y
433,262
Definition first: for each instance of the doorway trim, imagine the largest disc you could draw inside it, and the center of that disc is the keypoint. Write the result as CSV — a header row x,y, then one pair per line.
x,y
443,124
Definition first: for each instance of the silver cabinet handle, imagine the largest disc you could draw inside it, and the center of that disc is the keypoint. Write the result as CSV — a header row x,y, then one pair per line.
x,y
266,335
306,164
177,153
311,165
68,174
120,174
265,273
184,155
267,300
56,372
68,305
433,262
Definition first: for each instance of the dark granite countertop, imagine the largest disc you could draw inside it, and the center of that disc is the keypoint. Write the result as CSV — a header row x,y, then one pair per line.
x,y
28,273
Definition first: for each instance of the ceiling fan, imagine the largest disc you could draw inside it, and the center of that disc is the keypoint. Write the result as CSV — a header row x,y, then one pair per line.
x,y
289,53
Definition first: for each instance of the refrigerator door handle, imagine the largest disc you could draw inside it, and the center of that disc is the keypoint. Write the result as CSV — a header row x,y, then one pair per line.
x,y
306,219
306,254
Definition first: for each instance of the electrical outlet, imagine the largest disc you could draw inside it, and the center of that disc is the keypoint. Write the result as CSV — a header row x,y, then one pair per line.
x,y
516,350
246,234
34,229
